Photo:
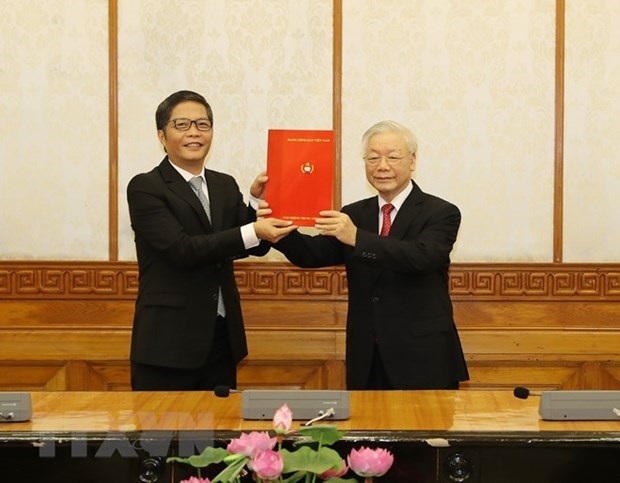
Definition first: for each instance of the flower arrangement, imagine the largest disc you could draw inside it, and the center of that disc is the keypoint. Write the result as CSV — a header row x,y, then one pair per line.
x,y
313,459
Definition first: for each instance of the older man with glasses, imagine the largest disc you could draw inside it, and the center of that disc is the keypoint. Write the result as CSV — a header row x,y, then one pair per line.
x,y
396,248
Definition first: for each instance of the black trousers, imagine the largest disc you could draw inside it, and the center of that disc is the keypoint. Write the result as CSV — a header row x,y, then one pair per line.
x,y
219,369
379,380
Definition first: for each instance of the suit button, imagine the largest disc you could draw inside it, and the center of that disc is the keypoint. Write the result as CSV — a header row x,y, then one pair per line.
x,y
214,296
375,300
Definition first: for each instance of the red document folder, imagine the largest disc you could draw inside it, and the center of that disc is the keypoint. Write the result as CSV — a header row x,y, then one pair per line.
x,y
300,166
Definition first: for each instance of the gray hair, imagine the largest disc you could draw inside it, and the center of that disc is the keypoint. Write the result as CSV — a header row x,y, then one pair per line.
x,y
390,126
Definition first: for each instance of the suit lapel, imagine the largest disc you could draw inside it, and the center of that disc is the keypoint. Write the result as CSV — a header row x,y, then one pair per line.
x,y
181,188
408,212
217,193
369,221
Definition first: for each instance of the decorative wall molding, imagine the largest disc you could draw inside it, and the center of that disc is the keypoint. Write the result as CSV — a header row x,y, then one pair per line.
x,y
277,280
536,281
68,280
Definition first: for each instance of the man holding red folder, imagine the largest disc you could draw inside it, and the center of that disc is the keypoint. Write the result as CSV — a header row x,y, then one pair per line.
x,y
400,328
190,224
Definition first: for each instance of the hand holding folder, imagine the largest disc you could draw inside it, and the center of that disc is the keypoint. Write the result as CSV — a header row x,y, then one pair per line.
x,y
300,167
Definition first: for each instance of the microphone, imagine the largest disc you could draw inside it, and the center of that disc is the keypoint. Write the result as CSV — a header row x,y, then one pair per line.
x,y
523,392
224,391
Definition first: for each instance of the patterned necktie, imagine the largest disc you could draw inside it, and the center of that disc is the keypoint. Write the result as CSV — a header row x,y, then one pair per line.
x,y
387,220
196,184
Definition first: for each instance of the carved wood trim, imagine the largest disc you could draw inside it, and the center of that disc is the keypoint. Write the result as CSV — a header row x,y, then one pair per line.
x,y
281,280
530,282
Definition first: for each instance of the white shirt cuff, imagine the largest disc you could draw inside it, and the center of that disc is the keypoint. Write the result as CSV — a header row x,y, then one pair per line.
x,y
250,240
254,202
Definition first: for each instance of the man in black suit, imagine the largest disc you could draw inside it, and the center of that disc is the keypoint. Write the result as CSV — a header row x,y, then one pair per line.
x,y
400,328
188,331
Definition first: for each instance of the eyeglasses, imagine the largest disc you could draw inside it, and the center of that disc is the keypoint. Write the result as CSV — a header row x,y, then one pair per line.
x,y
375,159
184,124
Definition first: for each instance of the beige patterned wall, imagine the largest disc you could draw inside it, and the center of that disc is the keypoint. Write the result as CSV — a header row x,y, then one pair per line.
x,y
592,153
260,64
473,78
54,118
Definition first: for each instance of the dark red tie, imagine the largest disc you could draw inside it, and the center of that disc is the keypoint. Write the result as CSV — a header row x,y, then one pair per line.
x,y
387,220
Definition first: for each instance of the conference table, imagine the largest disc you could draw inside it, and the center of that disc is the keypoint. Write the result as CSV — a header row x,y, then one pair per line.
x,y
435,436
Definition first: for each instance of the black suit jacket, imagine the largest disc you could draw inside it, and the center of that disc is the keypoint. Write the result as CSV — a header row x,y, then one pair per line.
x,y
398,290
183,259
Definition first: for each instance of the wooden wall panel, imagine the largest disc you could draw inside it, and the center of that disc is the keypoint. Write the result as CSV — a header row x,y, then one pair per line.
x,y
59,313
293,375
107,376
537,314
67,325
31,376
508,374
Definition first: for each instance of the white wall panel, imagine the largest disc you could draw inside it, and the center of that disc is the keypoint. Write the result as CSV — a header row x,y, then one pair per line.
x,y
260,65
54,143
592,132
473,78
475,81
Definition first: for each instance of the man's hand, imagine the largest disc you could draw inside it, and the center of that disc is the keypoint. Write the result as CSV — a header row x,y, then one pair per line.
x,y
257,190
337,224
272,229
263,210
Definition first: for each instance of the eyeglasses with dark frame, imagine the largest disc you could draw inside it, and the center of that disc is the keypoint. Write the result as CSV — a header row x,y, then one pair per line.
x,y
184,124
375,159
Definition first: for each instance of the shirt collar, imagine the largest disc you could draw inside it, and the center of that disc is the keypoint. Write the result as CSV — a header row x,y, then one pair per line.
x,y
186,174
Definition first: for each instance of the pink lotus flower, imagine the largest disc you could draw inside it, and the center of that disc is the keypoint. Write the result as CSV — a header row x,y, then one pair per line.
x,y
193,479
335,473
267,465
251,444
370,462
283,419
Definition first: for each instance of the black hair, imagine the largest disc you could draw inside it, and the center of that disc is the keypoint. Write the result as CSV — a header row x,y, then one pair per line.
x,y
164,110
